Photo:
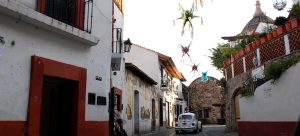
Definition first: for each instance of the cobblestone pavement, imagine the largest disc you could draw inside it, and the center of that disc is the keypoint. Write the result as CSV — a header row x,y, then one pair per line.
x,y
208,130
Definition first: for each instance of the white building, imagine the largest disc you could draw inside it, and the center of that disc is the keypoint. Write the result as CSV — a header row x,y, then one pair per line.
x,y
55,73
171,88
150,104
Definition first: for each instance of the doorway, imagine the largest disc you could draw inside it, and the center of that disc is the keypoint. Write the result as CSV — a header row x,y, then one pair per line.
x,y
237,109
136,113
161,112
58,108
70,83
168,113
153,115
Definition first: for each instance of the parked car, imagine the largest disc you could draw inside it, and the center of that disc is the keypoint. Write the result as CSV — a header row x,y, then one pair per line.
x,y
187,122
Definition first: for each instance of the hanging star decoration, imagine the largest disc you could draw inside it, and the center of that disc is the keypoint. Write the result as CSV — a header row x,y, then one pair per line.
x,y
204,77
195,68
187,16
185,51
200,2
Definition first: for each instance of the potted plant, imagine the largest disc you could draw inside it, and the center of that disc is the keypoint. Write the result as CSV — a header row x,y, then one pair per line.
x,y
294,22
269,36
288,26
263,40
279,30
274,33
279,21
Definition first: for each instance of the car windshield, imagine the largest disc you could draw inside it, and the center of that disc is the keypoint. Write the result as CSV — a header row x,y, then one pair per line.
x,y
189,117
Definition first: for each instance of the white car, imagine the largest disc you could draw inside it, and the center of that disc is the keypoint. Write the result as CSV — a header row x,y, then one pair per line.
x,y
187,122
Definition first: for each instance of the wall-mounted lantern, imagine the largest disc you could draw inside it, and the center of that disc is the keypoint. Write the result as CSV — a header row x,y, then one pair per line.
x,y
127,45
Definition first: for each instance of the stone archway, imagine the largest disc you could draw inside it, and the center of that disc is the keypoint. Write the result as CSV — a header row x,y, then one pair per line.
x,y
232,111
236,107
233,89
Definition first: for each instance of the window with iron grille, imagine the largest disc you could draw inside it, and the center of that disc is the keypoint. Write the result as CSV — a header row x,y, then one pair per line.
x,y
62,10
70,12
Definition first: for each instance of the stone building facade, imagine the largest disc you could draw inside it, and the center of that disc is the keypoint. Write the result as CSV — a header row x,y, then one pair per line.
x,y
207,100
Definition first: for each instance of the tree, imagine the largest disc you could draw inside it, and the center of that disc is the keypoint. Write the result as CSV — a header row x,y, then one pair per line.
x,y
295,11
222,52
280,20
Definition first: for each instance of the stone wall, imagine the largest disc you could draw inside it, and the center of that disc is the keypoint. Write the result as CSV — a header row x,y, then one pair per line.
x,y
233,86
207,95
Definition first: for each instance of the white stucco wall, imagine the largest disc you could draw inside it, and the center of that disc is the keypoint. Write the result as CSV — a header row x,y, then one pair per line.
x,y
146,93
274,102
146,60
263,27
118,77
15,61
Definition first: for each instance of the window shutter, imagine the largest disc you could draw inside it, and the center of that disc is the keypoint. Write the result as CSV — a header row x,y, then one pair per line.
x,y
41,6
79,15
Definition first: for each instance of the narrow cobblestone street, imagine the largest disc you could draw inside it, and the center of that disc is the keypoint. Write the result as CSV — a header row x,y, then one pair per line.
x,y
208,130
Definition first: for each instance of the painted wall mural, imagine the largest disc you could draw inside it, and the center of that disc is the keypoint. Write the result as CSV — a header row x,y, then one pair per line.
x,y
145,113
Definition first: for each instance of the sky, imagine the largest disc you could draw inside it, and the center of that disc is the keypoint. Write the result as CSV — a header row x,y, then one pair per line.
x,y
153,24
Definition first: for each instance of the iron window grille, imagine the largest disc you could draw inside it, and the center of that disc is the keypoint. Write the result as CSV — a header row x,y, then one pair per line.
x,y
76,13
117,43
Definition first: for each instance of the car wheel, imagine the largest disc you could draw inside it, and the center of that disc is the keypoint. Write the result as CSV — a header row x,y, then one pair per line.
x,y
196,130
200,129
177,132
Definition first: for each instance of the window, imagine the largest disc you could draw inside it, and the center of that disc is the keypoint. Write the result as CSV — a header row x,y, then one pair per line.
x,y
206,113
117,102
70,12
118,99
91,98
180,109
200,114
185,117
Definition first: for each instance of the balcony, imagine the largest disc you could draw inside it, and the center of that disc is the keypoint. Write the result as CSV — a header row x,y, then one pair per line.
x,y
165,84
22,13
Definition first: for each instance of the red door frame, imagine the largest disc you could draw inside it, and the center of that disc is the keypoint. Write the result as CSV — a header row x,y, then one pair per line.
x,y
41,67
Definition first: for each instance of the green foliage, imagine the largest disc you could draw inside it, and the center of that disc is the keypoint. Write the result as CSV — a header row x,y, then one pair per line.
x,y
280,20
275,69
295,11
223,82
223,51
246,92
220,54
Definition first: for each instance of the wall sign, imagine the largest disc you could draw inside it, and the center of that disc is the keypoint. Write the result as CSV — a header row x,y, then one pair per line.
x,y
91,98
101,100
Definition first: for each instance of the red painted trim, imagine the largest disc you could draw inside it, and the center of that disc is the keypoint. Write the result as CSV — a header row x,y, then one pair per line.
x,y
41,67
247,128
41,6
95,128
79,15
12,128
91,128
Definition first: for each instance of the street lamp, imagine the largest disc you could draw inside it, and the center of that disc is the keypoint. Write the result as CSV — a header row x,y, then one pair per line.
x,y
279,4
127,45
